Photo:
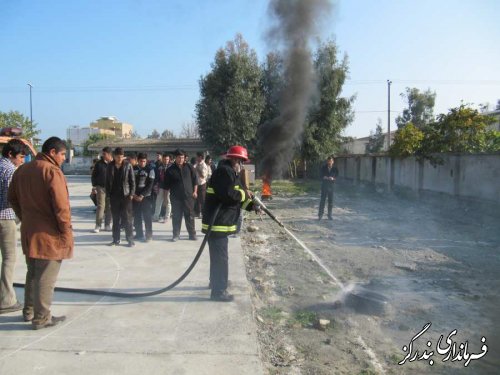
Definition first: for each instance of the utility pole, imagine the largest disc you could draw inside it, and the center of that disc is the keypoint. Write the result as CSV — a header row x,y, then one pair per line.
x,y
388,114
31,106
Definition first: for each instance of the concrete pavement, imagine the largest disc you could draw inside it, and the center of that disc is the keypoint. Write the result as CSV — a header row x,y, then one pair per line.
x,y
178,332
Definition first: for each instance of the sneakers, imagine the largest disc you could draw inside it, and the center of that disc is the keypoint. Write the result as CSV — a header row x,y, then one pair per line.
x,y
161,220
223,296
149,238
55,320
193,238
175,238
131,243
97,229
15,307
114,243
330,218
107,228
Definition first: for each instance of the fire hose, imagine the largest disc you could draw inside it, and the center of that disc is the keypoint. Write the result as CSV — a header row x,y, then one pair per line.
x,y
258,205
109,293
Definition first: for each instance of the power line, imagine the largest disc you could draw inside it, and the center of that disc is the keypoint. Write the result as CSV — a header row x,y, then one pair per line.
x,y
425,81
56,89
381,111
181,87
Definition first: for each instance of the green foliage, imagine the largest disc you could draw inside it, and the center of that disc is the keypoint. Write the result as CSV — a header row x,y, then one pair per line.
x,y
94,138
231,102
16,119
461,130
290,187
376,141
330,113
272,86
407,141
420,108
306,318
271,313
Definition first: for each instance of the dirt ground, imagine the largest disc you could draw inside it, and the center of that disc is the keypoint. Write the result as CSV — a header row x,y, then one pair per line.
x,y
402,261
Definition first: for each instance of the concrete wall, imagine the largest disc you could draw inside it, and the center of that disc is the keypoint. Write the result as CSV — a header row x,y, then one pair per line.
x,y
78,165
471,176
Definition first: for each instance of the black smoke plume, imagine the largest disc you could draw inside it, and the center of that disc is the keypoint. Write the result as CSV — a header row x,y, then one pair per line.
x,y
297,23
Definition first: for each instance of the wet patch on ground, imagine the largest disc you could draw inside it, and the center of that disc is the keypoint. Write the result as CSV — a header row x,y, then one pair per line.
x,y
408,261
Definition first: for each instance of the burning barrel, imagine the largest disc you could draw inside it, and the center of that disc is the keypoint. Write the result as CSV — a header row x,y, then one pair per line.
x,y
267,193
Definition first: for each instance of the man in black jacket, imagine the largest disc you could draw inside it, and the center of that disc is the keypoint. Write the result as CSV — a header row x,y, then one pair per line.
x,y
99,189
181,180
225,192
328,174
120,186
144,180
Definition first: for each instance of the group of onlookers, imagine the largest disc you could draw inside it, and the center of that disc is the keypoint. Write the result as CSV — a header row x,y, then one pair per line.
x,y
132,192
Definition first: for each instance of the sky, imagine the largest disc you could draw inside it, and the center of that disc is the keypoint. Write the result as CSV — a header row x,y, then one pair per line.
x,y
141,60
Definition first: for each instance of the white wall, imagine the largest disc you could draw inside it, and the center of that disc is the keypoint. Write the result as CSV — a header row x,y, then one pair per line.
x,y
473,176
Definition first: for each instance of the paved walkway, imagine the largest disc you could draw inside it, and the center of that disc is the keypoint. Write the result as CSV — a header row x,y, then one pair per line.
x,y
178,332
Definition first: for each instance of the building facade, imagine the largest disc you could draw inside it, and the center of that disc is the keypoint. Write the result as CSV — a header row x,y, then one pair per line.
x,y
112,125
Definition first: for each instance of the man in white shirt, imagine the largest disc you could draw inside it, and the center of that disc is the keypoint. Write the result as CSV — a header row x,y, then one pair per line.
x,y
202,171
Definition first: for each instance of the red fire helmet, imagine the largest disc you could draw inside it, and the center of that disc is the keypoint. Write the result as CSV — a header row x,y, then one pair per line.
x,y
239,152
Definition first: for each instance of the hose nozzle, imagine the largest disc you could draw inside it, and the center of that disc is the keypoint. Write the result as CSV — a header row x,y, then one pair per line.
x,y
258,203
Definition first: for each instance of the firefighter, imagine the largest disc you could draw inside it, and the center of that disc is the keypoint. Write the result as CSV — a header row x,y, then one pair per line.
x,y
224,190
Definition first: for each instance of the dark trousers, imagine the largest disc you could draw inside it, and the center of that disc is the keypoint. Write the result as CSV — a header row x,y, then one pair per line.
x,y
143,211
200,201
121,210
153,202
326,193
182,207
218,263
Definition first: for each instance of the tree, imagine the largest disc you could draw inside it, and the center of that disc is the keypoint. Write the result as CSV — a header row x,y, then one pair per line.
x,y
498,105
189,130
69,143
407,141
273,82
167,134
376,140
154,135
16,119
94,138
330,113
420,108
231,100
462,130
135,135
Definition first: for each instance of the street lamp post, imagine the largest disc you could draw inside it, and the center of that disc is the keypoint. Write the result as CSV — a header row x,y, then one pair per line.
x,y
31,105
388,114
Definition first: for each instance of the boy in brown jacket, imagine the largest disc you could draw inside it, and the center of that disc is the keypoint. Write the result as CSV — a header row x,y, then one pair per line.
x,y
39,196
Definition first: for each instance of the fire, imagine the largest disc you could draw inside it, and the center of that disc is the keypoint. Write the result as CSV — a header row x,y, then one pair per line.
x,y
266,189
